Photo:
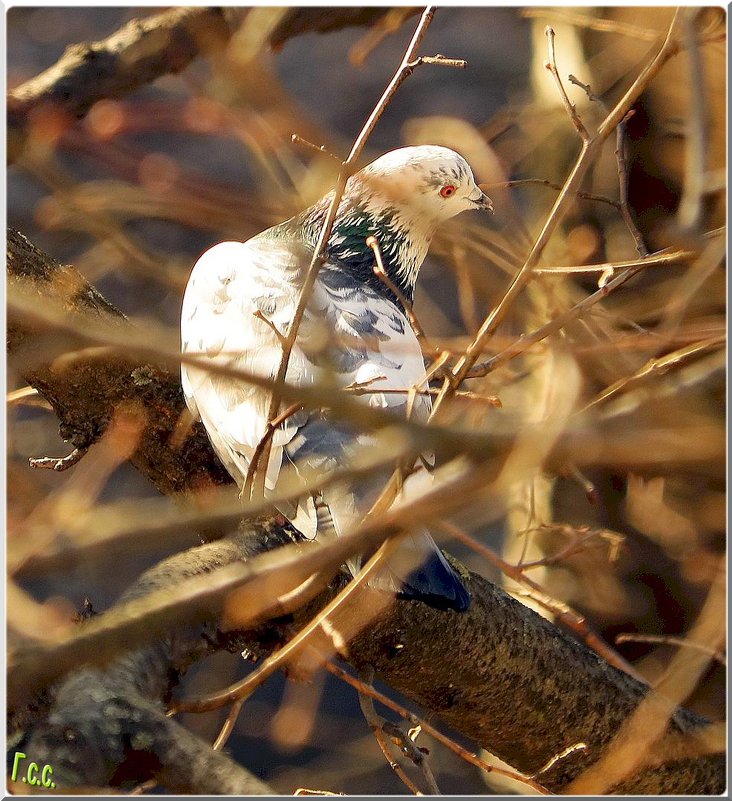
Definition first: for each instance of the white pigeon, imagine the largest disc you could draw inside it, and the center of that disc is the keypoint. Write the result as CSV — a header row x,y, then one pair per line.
x,y
240,292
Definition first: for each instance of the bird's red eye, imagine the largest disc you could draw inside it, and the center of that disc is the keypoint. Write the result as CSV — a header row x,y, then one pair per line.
x,y
448,190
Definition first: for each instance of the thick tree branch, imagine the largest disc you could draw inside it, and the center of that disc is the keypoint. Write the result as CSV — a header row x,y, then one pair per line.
x,y
499,673
84,398
324,20
141,51
135,55
107,725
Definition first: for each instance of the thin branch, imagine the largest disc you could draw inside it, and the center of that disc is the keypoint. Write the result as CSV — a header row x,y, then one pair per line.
x,y
376,724
244,688
587,89
623,181
594,23
580,538
563,754
58,463
228,727
581,308
414,753
440,60
664,258
490,400
666,639
383,276
690,206
620,159
551,185
347,169
571,109
590,149
298,140
281,338
368,690
565,614
658,366
269,432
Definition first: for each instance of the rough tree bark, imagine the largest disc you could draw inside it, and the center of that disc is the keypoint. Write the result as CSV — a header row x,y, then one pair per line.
x,y
500,674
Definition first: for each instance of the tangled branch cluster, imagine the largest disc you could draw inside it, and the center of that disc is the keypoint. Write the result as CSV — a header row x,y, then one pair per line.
x,y
552,699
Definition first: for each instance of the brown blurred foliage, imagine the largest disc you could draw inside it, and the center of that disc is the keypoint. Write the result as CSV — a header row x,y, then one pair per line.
x,y
135,190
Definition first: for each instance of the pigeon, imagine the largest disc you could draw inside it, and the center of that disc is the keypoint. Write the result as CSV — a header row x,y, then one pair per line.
x,y
240,300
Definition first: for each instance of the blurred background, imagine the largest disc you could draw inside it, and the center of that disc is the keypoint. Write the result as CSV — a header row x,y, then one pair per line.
x,y
135,191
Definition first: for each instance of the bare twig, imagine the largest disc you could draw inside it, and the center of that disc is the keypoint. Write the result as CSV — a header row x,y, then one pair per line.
x,y
587,89
664,258
551,185
623,178
690,206
413,752
58,463
620,158
440,60
563,754
579,539
298,140
571,109
228,727
620,135
368,690
244,688
581,308
565,614
490,400
269,432
383,276
658,366
595,23
590,149
376,724
405,69
666,639
281,338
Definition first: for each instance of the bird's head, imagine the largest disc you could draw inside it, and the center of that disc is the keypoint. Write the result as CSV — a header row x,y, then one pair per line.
x,y
399,200
430,182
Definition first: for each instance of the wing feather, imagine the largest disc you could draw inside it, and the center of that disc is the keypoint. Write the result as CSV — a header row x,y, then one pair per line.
x,y
230,285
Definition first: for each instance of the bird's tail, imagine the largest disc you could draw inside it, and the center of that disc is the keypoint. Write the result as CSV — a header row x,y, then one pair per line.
x,y
418,570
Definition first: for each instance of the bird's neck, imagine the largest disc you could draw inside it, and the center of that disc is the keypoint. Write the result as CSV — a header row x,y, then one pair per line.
x,y
402,241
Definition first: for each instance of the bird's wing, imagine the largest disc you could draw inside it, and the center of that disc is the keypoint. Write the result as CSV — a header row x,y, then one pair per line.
x,y
373,347
237,295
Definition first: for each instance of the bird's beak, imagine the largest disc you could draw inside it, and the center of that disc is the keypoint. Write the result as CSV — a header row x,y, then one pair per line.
x,y
483,202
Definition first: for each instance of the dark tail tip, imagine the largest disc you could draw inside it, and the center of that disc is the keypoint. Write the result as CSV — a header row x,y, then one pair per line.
x,y
436,584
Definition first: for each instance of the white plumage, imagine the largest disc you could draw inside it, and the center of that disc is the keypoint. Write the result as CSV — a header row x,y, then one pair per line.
x,y
353,331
